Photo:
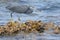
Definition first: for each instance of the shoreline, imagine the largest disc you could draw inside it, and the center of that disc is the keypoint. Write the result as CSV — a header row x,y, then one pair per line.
x,y
13,27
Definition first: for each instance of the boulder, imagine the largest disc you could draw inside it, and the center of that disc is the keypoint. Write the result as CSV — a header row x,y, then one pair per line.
x,y
20,8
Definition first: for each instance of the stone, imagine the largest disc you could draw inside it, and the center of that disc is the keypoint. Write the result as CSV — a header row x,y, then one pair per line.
x,y
57,30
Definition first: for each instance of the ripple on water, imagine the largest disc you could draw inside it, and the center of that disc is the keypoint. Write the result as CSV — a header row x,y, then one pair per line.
x,y
44,15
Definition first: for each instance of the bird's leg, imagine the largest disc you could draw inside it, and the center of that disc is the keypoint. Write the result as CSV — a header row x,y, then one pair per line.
x,y
11,14
19,18
11,18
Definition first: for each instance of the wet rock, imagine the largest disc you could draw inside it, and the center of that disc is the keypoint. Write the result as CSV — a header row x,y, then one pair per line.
x,y
13,27
49,25
1,30
20,8
57,30
40,29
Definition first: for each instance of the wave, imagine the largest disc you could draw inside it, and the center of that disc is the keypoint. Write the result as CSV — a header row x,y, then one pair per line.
x,y
55,6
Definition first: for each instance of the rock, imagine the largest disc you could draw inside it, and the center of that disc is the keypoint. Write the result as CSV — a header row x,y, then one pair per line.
x,y
57,30
1,30
40,29
20,8
49,25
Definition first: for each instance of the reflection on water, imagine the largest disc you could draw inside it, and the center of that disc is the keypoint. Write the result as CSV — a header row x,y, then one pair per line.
x,y
31,36
45,11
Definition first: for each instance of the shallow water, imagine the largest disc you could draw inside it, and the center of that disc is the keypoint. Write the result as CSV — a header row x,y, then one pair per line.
x,y
43,10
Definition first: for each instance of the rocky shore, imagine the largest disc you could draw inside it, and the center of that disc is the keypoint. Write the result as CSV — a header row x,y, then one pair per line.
x,y
13,27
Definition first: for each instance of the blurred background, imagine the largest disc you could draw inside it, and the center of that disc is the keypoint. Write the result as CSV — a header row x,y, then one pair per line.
x,y
45,10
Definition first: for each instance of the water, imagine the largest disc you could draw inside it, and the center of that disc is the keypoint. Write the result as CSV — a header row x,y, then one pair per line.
x,y
48,10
